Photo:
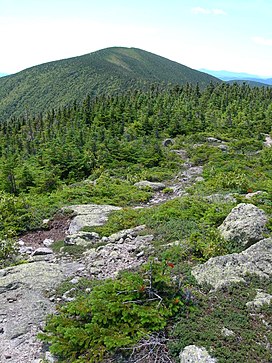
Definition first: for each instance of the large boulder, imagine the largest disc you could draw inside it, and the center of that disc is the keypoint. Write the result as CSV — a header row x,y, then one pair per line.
x,y
89,215
244,225
194,354
224,270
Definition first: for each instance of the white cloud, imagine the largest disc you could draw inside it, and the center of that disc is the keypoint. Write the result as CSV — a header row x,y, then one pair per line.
x,y
262,41
199,10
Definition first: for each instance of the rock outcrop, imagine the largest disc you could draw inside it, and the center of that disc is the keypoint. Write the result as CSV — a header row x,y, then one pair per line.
x,y
244,225
194,354
224,270
24,306
89,215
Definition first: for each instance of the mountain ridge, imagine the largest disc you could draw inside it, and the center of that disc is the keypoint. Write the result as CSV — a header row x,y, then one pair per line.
x,y
107,71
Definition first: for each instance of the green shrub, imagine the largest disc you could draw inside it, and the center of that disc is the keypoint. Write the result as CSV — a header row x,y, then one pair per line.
x,y
116,313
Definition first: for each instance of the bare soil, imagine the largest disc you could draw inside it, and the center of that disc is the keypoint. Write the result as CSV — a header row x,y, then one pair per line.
x,y
56,229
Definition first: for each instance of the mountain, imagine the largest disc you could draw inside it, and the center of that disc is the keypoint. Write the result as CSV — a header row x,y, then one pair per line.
x,y
251,83
3,74
58,83
233,76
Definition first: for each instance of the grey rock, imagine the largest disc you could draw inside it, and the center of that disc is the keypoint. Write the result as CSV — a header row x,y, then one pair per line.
x,y
262,298
82,238
125,233
227,332
152,185
252,195
194,354
89,215
181,153
27,250
223,147
244,225
167,142
48,242
224,270
25,285
221,198
107,261
42,251
213,139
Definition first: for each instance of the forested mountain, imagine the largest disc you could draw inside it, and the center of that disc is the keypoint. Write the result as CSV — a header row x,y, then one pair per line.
x,y
107,71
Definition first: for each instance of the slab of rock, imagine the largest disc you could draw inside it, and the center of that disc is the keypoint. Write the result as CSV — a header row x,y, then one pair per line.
x,y
194,354
152,185
262,298
82,238
24,306
244,225
224,270
89,215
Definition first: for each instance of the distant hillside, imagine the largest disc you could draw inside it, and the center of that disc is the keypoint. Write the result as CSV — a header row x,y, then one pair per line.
x,y
3,74
252,79
109,70
251,83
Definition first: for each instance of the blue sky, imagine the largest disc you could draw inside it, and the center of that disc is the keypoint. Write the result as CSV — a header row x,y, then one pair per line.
x,y
234,35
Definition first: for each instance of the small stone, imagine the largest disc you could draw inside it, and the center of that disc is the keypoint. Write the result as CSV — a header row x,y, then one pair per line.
x,y
227,332
21,242
42,251
140,254
48,242
75,280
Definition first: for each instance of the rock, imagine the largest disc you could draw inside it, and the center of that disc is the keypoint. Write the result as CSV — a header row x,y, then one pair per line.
x,y
82,238
268,140
21,243
27,250
244,225
251,195
89,215
213,139
223,147
152,185
262,298
48,242
181,153
107,261
220,198
167,142
194,354
25,285
223,270
42,251
227,332
133,232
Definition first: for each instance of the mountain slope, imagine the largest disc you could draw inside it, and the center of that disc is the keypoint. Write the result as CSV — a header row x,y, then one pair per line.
x,y
109,70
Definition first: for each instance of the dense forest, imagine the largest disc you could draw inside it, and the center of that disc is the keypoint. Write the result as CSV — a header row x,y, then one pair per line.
x,y
93,151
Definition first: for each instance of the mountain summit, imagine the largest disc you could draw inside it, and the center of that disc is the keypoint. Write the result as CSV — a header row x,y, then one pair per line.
x,y
106,71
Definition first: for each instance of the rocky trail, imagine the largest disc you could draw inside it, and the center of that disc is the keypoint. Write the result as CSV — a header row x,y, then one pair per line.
x,y
27,290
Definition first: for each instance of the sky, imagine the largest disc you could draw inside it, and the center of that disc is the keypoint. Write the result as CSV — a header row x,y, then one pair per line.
x,y
233,35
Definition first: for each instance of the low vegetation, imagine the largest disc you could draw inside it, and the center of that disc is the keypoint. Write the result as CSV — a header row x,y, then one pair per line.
x,y
94,152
